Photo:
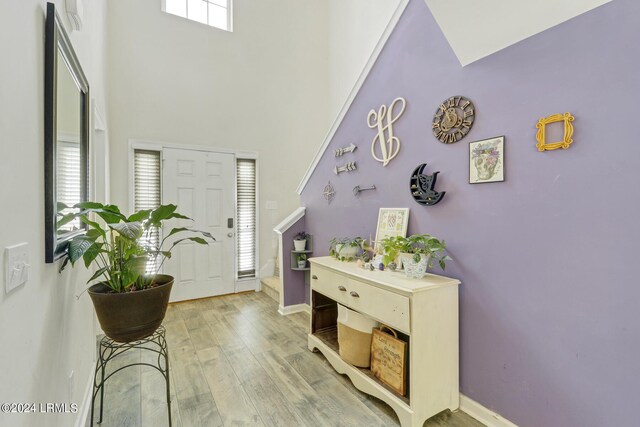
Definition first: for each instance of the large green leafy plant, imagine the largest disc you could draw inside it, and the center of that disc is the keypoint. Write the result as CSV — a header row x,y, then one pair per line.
x,y
416,244
123,248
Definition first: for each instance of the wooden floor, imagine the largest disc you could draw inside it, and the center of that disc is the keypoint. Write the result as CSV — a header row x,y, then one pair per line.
x,y
235,361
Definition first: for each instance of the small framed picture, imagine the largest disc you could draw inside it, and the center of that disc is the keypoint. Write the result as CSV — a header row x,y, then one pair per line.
x,y
486,160
392,222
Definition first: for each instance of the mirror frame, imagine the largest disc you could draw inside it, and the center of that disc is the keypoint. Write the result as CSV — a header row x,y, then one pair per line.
x,y
57,40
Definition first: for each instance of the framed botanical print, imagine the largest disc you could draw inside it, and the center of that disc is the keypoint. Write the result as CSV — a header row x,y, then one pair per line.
x,y
392,222
486,160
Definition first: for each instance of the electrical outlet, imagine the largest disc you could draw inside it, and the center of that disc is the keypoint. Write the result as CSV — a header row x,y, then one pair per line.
x,y
16,266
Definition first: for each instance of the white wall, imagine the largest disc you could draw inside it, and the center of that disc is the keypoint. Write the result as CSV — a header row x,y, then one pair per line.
x,y
261,88
355,27
45,332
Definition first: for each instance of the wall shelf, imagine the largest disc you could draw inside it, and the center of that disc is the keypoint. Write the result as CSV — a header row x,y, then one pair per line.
x,y
308,250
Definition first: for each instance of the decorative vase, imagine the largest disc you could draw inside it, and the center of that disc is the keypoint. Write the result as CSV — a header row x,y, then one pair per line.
x,y
302,264
416,270
300,245
130,316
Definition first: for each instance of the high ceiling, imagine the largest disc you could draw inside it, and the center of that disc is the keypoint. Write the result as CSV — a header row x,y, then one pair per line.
x,y
478,28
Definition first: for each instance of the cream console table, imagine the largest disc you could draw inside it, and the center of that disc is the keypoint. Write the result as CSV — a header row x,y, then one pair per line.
x,y
425,312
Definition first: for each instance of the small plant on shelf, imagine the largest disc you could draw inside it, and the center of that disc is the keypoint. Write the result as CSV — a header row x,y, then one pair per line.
x,y
346,248
300,241
302,260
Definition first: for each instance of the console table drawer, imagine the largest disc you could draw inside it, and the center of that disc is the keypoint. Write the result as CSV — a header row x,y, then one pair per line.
x,y
391,309
330,284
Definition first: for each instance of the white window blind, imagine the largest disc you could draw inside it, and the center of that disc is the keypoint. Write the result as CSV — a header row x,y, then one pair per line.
x,y
246,218
215,13
147,191
69,183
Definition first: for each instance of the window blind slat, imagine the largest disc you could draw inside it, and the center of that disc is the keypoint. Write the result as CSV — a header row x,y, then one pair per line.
x,y
147,189
68,180
246,218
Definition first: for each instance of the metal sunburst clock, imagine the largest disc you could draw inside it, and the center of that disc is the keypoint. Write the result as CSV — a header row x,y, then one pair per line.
x,y
453,119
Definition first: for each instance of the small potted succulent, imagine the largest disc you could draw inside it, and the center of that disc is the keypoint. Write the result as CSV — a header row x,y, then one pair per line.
x,y
300,241
415,253
346,248
302,260
130,301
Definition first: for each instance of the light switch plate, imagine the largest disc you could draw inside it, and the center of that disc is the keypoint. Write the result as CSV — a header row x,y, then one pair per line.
x,y
271,205
16,266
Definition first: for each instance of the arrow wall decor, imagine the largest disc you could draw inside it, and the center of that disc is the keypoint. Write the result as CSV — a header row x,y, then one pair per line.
x,y
348,167
340,151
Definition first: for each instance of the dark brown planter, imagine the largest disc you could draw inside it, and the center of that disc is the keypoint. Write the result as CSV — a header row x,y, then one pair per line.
x,y
130,316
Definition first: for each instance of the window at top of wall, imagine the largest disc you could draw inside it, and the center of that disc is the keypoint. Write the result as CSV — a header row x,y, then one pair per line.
x,y
215,13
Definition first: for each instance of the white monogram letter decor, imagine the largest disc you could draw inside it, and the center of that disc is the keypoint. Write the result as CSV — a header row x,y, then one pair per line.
x,y
388,145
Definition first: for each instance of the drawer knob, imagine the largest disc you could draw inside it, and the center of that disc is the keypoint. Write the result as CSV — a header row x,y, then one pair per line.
x,y
314,277
354,294
342,288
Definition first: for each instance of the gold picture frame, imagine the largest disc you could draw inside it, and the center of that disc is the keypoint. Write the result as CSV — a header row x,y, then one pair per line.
x,y
542,144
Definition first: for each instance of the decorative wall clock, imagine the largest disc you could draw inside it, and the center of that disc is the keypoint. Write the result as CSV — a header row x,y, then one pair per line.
x,y
453,119
422,187
541,137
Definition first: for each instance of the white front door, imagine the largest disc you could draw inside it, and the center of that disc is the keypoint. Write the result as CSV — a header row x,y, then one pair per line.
x,y
203,186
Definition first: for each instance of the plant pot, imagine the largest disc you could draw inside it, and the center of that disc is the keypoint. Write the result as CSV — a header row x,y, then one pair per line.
x,y
300,245
347,251
130,316
302,264
415,270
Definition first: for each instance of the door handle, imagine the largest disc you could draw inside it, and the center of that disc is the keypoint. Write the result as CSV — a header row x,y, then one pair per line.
x,y
314,277
354,294
230,234
342,288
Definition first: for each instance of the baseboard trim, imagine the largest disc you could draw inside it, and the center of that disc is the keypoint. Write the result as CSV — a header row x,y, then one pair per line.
x,y
297,308
482,414
247,285
85,410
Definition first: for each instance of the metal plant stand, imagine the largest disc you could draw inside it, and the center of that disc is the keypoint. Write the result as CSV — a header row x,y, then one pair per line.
x,y
109,349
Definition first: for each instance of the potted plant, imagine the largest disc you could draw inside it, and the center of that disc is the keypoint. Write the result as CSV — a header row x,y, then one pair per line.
x,y
346,248
391,248
302,260
416,253
300,241
129,300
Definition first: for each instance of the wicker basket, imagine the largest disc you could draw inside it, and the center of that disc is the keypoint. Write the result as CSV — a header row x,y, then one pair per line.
x,y
354,337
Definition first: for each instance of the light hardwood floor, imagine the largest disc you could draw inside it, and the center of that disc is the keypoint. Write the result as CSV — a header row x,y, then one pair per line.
x,y
234,362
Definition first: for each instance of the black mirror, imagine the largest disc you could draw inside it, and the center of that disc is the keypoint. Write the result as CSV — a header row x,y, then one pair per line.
x,y
66,135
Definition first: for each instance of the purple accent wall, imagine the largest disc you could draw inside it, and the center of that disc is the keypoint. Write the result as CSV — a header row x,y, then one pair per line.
x,y
294,287
550,330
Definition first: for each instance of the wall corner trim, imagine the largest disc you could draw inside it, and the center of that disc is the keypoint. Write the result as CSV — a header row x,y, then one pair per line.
x,y
482,414
354,92
297,308
84,411
290,220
